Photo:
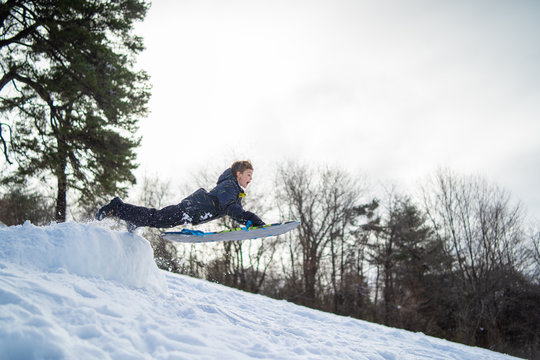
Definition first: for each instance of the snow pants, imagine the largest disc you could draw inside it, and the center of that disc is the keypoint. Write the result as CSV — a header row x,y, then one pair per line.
x,y
167,217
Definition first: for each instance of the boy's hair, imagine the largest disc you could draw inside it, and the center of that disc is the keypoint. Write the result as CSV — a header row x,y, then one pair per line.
x,y
241,166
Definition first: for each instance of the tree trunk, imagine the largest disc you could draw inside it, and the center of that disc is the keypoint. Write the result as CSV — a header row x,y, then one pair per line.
x,y
61,202
310,276
334,277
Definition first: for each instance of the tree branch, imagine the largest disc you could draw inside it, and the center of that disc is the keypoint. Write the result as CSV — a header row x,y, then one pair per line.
x,y
21,35
10,75
4,143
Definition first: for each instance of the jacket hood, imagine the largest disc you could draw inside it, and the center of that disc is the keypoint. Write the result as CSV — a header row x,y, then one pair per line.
x,y
227,175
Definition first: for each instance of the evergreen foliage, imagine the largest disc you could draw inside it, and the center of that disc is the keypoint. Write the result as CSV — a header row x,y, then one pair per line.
x,y
70,97
19,205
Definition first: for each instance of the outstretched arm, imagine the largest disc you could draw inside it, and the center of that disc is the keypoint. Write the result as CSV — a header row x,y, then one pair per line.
x,y
236,211
227,199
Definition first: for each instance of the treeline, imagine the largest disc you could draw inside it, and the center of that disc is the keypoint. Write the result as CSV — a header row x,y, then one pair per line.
x,y
456,261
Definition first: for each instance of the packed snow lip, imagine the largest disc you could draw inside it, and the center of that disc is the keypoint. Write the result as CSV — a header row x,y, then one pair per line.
x,y
84,250
73,290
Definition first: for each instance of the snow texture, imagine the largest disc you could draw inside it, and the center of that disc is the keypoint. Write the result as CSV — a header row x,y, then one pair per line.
x,y
79,291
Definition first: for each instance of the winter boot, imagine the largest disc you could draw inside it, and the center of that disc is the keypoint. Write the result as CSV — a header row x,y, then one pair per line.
x,y
109,210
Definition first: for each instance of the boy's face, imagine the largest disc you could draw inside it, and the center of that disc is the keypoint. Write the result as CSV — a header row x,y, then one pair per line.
x,y
244,178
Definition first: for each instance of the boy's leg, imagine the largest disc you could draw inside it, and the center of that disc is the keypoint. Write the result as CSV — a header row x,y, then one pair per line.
x,y
169,216
142,216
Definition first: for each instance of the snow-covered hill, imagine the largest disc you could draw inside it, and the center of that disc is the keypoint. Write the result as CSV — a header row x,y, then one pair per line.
x,y
80,291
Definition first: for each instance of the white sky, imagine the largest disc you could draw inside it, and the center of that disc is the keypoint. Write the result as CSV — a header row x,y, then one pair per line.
x,y
393,89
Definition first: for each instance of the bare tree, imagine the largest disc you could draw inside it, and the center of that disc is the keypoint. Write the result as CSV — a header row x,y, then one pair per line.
x,y
482,232
483,228
535,240
324,201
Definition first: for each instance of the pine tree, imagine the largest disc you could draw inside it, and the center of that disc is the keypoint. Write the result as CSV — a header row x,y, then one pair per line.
x,y
70,96
407,256
19,204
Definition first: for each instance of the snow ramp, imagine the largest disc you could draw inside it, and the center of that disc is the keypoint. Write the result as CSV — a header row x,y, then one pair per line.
x,y
85,250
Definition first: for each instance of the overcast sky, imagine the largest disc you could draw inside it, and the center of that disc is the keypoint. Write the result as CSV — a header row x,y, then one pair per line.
x,y
392,89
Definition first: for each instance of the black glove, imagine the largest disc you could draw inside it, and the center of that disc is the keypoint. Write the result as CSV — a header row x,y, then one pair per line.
x,y
255,220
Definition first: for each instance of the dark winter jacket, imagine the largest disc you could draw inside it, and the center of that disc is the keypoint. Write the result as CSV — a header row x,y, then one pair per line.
x,y
224,199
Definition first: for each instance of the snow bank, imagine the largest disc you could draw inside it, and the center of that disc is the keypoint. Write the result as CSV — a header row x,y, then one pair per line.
x,y
85,250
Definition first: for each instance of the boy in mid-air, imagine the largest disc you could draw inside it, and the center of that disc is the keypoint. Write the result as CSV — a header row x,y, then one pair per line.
x,y
198,208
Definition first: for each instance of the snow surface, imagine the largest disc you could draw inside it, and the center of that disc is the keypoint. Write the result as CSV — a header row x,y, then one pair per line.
x,y
80,291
